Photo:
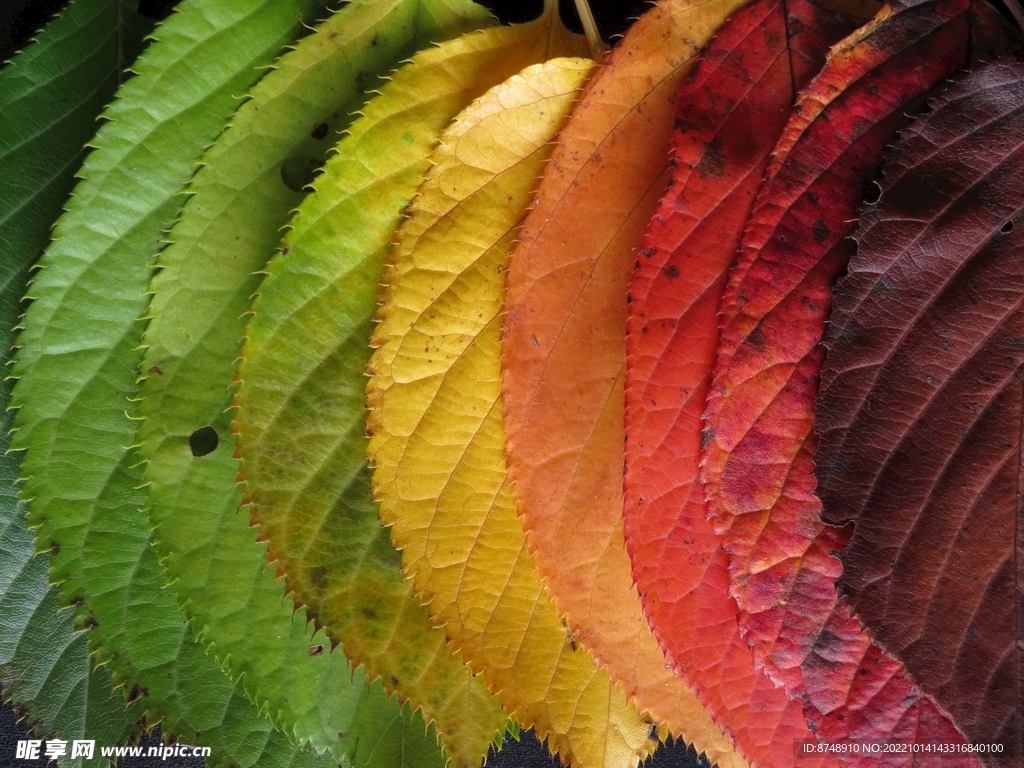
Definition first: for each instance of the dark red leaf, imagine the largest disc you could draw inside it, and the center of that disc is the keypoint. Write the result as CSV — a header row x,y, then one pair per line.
x,y
921,405
760,443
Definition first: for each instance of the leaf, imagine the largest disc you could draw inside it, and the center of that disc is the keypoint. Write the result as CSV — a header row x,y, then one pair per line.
x,y
50,95
920,405
564,353
44,665
77,369
437,434
759,442
729,114
301,415
239,201
152,654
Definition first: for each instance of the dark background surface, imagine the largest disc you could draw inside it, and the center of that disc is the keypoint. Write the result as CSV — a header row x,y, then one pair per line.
x,y
19,20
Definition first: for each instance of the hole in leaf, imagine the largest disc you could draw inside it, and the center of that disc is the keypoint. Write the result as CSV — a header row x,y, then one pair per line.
x,y
203,441
319,131
297,173
873,193
1007,228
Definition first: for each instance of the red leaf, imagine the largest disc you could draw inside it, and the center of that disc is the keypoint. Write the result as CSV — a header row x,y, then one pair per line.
x,y
921,405
730,113
758,460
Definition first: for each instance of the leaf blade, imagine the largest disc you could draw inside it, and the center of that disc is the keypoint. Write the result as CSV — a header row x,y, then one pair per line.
x,y
720,155
301,406
437,440
76,370
759,443
50,95
945,452
239,201
563,356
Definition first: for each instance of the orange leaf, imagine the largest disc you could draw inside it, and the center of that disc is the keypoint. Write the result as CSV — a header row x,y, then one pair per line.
x,y
564,353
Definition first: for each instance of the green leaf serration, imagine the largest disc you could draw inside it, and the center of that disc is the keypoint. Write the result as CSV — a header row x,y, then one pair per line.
x,y
229,228
50,95
77,368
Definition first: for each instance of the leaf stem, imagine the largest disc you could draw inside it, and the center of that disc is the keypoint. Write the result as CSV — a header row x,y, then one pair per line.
x,y
597,45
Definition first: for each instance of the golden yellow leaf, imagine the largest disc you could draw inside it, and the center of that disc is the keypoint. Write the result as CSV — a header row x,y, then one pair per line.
x,y
438,441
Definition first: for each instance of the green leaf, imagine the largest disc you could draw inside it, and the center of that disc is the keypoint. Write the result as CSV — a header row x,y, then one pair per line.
x,y
230,227
50,95
44,665
302,414
77,368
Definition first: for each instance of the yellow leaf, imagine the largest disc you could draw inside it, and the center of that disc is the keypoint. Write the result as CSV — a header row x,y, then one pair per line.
x,y
438,441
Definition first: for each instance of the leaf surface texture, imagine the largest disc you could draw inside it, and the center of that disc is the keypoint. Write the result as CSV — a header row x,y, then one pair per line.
x,y
76,369
302,415
437,433
564,353
50,95
759,442
920,405
729,114
239,201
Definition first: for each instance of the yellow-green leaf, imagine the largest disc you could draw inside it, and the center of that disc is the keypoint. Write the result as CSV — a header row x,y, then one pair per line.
x,y
301,410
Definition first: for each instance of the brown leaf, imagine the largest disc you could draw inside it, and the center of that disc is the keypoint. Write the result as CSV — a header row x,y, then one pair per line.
x,y
921,405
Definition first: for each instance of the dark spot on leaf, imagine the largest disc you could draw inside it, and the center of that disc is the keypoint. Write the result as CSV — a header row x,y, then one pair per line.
x,y
203,441
137,693
297,173
342,736
1007,228
319,131
394,680
91,622
368,613
156,369
672,272
54,548
712,162
757,338
821,231
706,437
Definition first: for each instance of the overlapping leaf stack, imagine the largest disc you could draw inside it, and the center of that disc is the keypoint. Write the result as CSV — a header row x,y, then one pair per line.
x,y
578,491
